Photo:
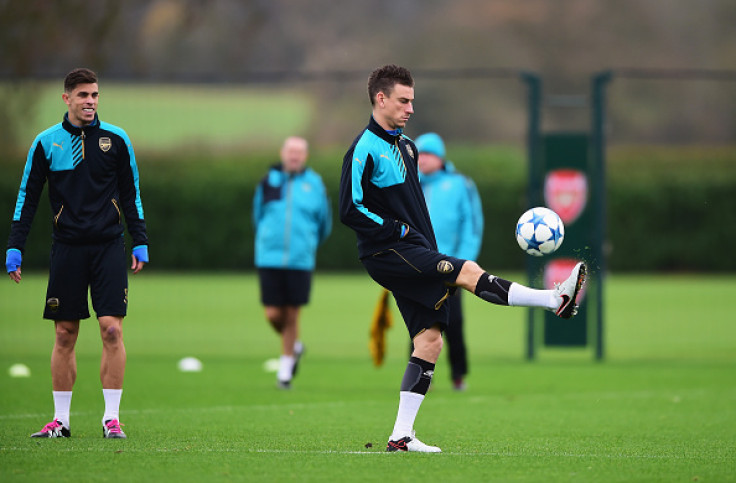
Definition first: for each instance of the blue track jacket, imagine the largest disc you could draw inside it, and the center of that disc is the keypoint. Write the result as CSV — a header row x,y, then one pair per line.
x,y
292,216
380,190
93,183
456,212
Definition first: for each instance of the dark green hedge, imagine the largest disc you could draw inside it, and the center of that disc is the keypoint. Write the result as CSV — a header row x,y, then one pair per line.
x,y
668,210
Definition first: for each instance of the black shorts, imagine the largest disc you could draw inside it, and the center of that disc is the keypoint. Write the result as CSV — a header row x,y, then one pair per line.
x,y
75,269
280,287
420,279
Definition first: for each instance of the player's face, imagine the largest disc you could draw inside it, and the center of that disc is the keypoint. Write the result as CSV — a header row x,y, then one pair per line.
x,y
397,107
82,104
294,155
428,163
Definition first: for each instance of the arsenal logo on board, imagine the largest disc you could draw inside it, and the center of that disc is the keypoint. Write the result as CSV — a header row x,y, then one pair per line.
x,y
566,193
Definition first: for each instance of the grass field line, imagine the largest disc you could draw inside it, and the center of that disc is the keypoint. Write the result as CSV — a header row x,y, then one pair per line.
x,y
500,454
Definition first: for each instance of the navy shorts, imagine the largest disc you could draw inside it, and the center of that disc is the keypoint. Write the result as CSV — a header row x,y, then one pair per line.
x,y
420,279
76,269
280,287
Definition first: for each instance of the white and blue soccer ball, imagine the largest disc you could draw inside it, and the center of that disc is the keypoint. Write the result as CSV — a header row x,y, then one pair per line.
x,y
540,231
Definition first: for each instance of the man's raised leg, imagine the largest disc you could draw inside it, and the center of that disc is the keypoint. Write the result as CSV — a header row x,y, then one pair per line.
x,y
490,288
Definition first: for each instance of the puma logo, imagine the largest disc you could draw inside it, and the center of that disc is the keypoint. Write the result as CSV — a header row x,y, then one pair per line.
x,y
58,145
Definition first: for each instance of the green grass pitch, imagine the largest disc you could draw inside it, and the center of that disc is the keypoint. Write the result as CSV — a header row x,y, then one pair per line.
x,y
660,408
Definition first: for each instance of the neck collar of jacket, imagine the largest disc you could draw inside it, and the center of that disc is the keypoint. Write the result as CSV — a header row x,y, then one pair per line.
x,y
376,129
77,130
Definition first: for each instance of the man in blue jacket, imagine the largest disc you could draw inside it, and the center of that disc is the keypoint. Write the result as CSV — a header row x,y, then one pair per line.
x,y
93,184
382,201
457,217
292,216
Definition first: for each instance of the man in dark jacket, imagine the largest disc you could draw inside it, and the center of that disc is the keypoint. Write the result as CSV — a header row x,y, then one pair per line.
x,y
382,201
93,184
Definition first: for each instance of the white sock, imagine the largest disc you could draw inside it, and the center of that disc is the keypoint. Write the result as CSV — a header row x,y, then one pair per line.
x,y
62,406
112,404
521,296
286,366
409,403
298,346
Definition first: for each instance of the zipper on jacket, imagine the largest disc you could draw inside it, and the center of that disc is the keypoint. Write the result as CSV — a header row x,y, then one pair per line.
x,y
83,137
287,220
117,208
56,218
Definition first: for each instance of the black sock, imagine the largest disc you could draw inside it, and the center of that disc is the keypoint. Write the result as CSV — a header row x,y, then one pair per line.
x,y
418,376
493,289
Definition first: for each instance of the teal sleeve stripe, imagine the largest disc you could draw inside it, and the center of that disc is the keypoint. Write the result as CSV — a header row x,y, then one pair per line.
x,y
357,188
133,166
24,181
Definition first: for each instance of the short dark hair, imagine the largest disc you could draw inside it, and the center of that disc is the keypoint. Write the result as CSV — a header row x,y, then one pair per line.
x,y
80,75
385,78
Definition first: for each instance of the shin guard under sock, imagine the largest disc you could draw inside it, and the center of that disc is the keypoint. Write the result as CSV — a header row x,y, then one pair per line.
x,y
493,289
418,376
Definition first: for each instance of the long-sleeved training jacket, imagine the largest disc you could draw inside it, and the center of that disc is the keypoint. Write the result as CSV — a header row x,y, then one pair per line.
x,y
455,210
93,184
292,216
379,190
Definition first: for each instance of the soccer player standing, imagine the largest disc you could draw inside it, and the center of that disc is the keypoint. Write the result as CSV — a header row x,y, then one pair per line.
x,y
457,217
292,216
382,201
93,184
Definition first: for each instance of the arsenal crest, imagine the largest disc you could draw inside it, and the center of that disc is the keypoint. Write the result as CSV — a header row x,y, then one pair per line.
x,y
105,144
410,150
566,193
444,266
53,304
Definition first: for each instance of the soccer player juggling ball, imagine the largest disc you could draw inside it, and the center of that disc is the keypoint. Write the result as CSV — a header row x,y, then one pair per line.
x,y
93,185
382,201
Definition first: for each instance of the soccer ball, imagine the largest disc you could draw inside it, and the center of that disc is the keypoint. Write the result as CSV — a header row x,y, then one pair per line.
x,y
540,231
